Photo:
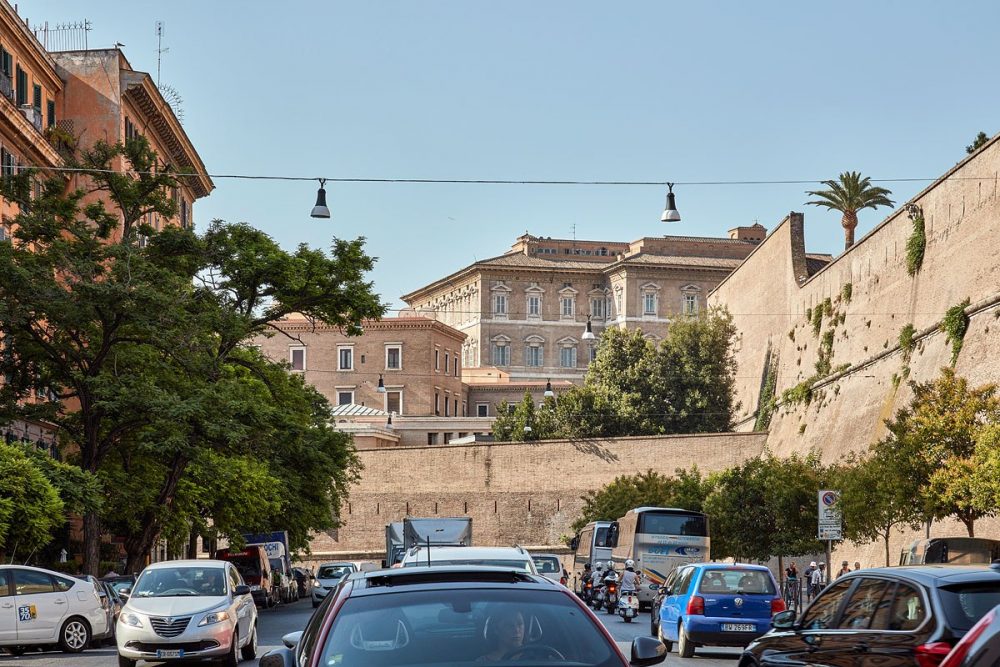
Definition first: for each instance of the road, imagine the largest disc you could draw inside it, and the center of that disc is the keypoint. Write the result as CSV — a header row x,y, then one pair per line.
x,y
274,623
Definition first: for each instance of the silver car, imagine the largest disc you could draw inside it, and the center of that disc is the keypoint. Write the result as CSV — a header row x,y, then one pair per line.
x,y
327,577
188,609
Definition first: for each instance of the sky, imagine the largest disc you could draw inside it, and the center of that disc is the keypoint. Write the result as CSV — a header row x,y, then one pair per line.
x,y
554,90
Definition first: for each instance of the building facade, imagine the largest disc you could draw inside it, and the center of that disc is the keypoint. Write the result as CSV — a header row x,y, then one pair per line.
x,y
525,312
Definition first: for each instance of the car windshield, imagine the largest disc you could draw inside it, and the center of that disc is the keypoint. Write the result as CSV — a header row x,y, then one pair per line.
x,y
967,603
332,571
547,564
736,582
458,627
181,582
490,562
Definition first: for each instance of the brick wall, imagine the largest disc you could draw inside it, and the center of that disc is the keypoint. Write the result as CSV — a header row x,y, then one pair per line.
x,y
517,493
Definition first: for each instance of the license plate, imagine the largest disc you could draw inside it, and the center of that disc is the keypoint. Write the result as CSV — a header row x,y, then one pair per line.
x,y
170,653
738,627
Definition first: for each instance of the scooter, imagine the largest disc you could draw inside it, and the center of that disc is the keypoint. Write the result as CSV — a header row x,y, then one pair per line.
x,y
599,597
587,592
628,606
611,593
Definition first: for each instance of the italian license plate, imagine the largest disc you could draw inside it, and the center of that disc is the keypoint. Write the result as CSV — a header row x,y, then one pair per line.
x,y
170,653
738,627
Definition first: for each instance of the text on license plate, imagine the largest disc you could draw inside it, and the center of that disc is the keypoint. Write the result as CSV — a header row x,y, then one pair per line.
x,y
738,627
170,653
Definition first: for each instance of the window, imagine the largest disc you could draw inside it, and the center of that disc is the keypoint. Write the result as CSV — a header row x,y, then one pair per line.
x,y
567,306
8,162
567,357
964,604
130,131
185,213
447,438
4,583
50,114
447,361
393,357
454,406
597,308
30,582
482,409
432,438
22,86
822,613
345,398
447,406
437,360
618,303
534,306
394,402
297,357
437,404
684,581
649,303
863,604
501,354
593,353
36,98
456,366
690,304
908,611
345,358
533,355
6,61
499,304
234,578
4,232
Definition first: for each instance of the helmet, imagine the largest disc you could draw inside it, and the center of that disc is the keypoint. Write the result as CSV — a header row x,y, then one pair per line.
x,y
629,563
611,565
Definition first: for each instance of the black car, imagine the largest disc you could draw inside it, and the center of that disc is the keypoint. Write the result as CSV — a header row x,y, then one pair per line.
x,y
887,617
980,647
455,615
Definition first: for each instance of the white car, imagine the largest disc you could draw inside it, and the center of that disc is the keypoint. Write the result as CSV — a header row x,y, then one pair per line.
x,y
188,609
39,607
327,577
550,567
514,557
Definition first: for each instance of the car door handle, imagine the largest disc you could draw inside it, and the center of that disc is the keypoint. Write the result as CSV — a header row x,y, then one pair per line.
x,y
861,648
8,605
59,601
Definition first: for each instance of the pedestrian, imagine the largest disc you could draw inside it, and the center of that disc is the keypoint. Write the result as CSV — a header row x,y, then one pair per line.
x,y
807,576
791,584
843,570
817,580
857,566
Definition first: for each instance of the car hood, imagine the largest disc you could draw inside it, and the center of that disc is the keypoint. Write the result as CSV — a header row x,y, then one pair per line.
x,y
328,582
175,606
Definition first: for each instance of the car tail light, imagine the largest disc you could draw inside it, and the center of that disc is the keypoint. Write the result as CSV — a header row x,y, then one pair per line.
x,y
931,655
955,658
562,580
696,605
777,605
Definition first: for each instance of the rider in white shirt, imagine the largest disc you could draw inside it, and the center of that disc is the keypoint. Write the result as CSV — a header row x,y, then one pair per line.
x,y
630,578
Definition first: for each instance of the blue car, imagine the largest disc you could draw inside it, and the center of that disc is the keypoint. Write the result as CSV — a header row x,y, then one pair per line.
x,y
716,604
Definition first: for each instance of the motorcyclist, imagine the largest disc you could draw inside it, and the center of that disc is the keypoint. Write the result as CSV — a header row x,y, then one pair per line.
x,y
609,570
598,575
630,578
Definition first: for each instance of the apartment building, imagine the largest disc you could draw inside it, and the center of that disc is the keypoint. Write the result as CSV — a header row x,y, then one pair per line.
x,y
525,312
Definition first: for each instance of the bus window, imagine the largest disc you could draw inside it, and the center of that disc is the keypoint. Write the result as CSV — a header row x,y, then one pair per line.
x,y
583,549
653,523
601,538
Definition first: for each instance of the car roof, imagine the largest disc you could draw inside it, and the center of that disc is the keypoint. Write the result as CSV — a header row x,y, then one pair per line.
x,y
544,556
397,580
467,553
935,575
8,566
199,562
730,566
339,563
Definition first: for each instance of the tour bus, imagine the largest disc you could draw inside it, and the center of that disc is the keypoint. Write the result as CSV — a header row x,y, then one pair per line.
x,y
658,539
953,550
592,547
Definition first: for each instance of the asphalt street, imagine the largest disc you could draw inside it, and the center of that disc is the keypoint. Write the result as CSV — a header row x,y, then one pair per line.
x,y
274,623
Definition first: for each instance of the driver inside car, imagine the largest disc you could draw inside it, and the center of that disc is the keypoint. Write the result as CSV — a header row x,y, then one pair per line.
x,y
504,633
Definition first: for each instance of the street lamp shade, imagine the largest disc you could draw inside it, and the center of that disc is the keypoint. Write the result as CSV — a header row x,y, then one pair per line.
x,y
381,384
320,210
588,333
548,389
670,213
388,423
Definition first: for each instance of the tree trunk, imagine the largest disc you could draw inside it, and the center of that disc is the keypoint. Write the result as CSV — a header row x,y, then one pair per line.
x,y
192,552
139,544
849,222
886,537
781,569
970,525
92,543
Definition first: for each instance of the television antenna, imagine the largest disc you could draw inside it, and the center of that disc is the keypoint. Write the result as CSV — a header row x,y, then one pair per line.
x,y
159,50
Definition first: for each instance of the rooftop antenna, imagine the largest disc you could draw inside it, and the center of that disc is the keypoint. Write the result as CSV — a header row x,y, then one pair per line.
x,y
159,50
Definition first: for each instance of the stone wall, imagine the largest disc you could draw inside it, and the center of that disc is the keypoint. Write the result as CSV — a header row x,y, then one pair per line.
x,y
517,493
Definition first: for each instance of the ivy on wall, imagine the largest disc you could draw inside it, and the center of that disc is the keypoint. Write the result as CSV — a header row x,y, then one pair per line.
x,y
954,325
917,242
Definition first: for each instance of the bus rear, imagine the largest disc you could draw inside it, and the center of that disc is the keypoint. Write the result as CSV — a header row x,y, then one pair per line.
x,y
663,540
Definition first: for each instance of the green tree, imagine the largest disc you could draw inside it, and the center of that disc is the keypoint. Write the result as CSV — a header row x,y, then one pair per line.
x,y
525,421
850,194
977,143
686,491
30,507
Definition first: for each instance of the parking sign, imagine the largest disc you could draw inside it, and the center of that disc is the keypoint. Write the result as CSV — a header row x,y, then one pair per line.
x,y
830,525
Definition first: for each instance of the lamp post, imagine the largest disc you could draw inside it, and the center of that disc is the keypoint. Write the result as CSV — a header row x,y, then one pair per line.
x,y
588,333
320,210
670,212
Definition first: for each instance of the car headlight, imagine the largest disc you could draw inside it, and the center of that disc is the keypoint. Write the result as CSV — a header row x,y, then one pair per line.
x,y
214,617
131,620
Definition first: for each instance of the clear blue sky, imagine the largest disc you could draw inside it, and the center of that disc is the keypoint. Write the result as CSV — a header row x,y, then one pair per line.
x,y
567,90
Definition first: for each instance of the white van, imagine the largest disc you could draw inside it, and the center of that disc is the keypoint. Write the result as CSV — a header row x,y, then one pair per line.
x,y
41,607
592,546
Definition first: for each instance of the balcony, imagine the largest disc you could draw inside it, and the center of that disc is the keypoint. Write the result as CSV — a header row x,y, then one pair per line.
x,y
33,115
6,86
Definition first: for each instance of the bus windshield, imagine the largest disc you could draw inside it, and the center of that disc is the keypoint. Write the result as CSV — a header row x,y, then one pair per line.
x,y
661,523
601,537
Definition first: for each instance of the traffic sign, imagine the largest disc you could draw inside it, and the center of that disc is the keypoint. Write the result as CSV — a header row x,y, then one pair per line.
x,y
830,523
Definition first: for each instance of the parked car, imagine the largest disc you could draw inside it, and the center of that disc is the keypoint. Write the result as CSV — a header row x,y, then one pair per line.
x,y
550,567
910,615
304,581
328,576
122,583
188,609
116,600
255,568
717,604
41,607
980,647
515,557
455,615
107,604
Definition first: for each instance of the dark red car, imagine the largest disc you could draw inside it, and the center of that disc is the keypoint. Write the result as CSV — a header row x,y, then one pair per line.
x,y
455,615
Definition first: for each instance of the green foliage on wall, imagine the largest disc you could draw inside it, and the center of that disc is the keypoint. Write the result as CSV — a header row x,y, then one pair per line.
x,y
915,246
906,342
846,292
767,397
954,325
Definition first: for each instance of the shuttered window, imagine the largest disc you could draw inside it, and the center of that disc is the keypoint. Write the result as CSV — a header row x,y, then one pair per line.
x,y
22,86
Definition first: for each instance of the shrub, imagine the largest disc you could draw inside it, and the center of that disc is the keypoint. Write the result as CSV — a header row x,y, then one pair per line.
x,y
954,325
906,341
846,291
915,246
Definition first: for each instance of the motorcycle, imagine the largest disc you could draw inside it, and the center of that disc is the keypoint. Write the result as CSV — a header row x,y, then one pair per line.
x,y
587,592
611,593
599,596
628,606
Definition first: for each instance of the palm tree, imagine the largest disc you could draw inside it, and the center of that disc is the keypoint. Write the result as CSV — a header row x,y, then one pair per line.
x,y
849,195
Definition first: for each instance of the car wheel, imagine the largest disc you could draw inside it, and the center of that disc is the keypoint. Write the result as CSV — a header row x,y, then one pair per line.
x,y
666,642
684,646
232,659
125,662
74,636
249,652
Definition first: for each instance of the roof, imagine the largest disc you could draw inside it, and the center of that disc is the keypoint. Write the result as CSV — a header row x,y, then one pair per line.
x,y
424,578
931,575
466,553
199,562
686,261
352,410
816,262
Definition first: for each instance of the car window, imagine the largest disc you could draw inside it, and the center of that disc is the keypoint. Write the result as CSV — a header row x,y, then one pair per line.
x,y
4,583
683,581
234,578
181,582
547,565
490,626
736,581
908,611
332,571
311,633
964,604
863,603
524,565
668,583
64,584
822,613
882,618
29,582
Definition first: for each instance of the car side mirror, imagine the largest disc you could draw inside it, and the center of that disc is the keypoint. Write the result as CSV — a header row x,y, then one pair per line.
x,y
783,620
242,589
292,639
279,657
647,651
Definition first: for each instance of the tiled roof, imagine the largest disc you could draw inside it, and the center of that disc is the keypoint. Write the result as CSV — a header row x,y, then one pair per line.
x,y
683,260
351,410
815,262
524,261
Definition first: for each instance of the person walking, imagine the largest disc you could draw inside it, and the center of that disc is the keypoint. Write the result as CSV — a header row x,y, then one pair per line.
x,y
817,580
843,570
857,566
807,575
791,585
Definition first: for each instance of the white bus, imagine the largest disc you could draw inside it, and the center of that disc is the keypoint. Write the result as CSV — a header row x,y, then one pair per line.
x,y
592,546
659,539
